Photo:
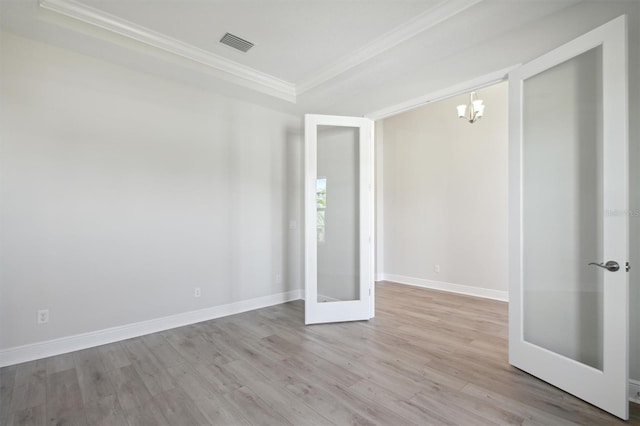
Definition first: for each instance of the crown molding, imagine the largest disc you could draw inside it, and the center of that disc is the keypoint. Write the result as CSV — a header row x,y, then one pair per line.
x,y
247,76
430,18
231,70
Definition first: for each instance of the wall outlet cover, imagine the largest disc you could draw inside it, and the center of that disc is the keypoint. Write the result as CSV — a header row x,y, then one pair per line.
x,y
43,316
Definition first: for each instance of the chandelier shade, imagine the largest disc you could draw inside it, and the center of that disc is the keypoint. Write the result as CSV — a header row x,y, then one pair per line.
x,y
472,111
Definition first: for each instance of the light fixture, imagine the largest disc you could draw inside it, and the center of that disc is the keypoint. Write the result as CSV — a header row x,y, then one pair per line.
x,y
475,109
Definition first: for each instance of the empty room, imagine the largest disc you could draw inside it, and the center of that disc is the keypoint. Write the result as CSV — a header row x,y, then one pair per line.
x,y
312,212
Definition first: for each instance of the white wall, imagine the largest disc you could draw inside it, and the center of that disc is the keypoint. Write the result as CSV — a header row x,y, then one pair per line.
x,y
445,195
121,192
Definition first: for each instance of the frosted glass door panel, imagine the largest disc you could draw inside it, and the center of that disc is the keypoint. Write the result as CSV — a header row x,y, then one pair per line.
x,y
337,205
562,213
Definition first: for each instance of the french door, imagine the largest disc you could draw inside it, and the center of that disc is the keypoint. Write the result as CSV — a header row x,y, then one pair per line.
x,y
338,219
568,218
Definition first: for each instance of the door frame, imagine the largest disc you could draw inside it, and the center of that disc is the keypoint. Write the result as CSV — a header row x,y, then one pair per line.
x,y
465,87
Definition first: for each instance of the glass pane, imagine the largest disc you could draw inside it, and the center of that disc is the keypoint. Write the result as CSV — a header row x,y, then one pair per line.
x,y
562,209
337,207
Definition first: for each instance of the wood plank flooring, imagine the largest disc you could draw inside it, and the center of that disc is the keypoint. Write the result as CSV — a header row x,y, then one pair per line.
x,y
428,358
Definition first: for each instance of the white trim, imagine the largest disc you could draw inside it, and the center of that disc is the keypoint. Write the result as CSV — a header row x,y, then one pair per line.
x,y
422,22
379,197
457,89
62,345
634,391
250,77
373,188
485,293
240,74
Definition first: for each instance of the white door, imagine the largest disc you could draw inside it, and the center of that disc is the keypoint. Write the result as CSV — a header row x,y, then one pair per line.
x,y
568,218
338,219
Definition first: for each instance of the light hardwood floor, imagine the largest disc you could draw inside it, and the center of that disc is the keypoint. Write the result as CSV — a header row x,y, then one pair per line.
x,y
428,358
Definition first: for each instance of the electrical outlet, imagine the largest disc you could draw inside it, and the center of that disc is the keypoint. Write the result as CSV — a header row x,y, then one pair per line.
x,y
436,269
196,292
278,279
43,316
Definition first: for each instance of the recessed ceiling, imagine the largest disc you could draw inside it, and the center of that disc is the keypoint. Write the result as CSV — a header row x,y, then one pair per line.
x,y
323,56
293,38
299,44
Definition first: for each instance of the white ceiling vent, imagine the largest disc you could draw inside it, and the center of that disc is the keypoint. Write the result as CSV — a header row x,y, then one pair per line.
x,y
236,42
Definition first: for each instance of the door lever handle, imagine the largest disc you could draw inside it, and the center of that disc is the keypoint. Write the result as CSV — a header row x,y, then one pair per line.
x,y
611,265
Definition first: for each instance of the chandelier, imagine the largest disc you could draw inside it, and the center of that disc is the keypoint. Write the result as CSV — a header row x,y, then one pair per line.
x,y
473,111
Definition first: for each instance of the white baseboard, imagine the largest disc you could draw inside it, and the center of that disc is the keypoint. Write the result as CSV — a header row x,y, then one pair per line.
x,y
62,345
634,391
486,293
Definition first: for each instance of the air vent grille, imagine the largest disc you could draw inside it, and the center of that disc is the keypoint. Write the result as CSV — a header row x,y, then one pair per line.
x,y
236,42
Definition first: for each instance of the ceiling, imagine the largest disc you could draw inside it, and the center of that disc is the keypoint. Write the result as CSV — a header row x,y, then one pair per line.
x,y
299,44
322,56
293,39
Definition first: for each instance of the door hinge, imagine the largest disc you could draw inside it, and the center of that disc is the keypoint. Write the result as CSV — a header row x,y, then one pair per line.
x,y
369,291
627,267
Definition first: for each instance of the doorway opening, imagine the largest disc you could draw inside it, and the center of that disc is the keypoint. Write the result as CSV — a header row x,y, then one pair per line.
x,y
442,190
567,170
